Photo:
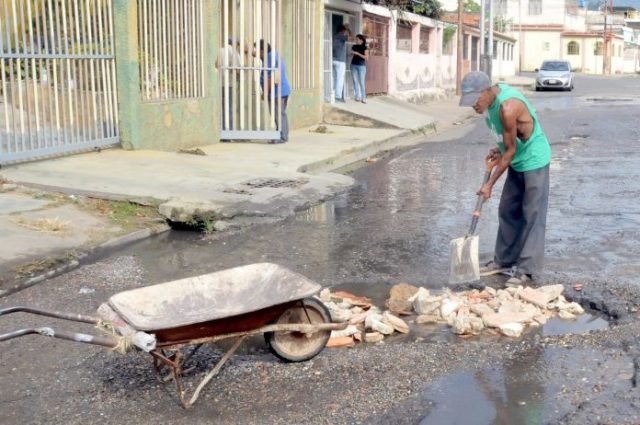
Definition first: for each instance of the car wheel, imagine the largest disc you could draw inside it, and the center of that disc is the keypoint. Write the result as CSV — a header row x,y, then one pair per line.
x,y
537,88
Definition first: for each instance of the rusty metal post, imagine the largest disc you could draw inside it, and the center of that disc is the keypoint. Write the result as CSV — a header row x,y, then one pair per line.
x,y
460,52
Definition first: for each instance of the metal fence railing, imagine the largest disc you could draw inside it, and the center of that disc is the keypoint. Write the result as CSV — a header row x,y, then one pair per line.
x,y
305,63
171,46
58,88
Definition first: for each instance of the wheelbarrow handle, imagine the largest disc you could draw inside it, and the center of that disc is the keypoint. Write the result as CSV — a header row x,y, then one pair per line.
x,y
55,314
481,199
103,340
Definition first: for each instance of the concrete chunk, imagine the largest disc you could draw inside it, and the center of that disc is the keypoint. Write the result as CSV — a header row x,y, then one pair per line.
x,y
512,330
481,309
539,297
496,320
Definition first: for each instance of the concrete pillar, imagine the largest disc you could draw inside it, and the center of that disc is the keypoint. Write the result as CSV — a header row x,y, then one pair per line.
x,y
168,124
127,71
415,38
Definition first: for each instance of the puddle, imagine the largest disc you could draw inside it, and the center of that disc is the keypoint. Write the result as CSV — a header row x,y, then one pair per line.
x,y
503,395
528,390
583,324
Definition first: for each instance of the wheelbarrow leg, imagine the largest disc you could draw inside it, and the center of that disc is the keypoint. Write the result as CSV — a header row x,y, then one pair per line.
x,y
214,372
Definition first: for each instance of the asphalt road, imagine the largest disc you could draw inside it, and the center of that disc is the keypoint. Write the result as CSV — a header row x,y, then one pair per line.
x,y
393,226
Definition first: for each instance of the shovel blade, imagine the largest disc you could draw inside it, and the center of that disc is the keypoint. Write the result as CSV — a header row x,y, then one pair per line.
x,y
464,265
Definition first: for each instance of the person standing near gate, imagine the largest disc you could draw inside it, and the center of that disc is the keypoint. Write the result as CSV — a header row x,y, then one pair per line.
x,y
359,68
522,151
339,60
272,59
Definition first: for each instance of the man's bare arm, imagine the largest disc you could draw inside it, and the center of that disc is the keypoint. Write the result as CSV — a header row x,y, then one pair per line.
x,y
508,118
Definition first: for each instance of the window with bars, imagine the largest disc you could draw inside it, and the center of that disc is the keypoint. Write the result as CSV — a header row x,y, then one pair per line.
x,y
377,33
535,7
403,37
424,39
598,48
171,46
305,57
573,48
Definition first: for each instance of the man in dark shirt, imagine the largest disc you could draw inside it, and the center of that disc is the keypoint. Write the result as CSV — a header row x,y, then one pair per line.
x,y
339,60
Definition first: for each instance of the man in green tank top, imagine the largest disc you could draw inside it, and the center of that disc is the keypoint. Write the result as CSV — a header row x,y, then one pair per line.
x,y
522,151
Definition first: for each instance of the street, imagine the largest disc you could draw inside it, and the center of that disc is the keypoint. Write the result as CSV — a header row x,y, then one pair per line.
x,y
393,226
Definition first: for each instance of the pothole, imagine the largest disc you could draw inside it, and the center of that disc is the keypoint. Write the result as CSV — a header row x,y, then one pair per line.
x,y
237,191
609,99
578,137
275,183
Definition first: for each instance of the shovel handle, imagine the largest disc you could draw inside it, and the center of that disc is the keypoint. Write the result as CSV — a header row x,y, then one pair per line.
x,y
481,199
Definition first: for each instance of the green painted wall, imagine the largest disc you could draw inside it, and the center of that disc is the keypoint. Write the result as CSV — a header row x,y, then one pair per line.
x,y
175,124
164,125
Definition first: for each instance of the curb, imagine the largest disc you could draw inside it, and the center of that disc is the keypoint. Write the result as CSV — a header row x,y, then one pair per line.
x,y
97,251
402,139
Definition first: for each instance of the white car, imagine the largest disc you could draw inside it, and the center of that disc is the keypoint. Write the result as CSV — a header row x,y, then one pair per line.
x,y
554,74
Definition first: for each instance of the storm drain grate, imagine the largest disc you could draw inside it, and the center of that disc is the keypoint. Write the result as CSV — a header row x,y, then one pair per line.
x,y
275,183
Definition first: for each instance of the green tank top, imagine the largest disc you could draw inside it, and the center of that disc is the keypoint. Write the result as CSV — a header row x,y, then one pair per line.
x,y
531,154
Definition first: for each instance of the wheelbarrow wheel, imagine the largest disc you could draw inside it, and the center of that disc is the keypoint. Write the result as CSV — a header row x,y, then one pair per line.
x,y
297,346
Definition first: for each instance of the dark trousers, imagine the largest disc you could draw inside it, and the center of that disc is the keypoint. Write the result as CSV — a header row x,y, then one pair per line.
x,y
523,220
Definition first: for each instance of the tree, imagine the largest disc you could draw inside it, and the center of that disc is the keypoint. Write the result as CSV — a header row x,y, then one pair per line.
x,y
428,8
470,6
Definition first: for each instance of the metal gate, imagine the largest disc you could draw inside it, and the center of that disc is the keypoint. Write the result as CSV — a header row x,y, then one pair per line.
x,y
376,29
58,89
247,79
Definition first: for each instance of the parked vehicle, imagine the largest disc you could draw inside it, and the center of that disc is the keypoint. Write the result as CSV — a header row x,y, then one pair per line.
x,y
554,74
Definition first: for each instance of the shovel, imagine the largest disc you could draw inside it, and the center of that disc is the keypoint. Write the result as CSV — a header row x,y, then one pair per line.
x,y
464,264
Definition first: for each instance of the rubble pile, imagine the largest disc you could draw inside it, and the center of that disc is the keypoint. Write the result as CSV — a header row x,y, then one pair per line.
x,y
367,323
508,311
504,311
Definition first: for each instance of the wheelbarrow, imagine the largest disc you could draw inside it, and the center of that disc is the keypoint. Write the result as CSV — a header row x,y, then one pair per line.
x,y
171,321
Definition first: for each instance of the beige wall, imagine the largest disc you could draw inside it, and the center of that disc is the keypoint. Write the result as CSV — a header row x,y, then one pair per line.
x,y
590,63
539,46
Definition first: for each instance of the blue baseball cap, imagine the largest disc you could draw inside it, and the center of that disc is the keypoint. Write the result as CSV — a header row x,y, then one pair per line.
x,y
473,84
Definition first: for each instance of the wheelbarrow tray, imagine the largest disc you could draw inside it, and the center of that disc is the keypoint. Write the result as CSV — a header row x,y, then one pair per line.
x,y
206,298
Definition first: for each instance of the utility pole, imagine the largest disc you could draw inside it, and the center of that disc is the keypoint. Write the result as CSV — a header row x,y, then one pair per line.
x,y
606,41
520,39
483,34
489,70
460,46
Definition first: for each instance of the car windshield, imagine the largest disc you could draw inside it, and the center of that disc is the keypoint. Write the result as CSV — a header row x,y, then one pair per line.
x,y
555,66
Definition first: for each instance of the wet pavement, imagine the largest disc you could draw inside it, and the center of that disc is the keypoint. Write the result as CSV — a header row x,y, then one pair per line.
x,y
393,226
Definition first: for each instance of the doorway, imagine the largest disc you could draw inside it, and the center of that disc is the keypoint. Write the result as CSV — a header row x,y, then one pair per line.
x,y
332,21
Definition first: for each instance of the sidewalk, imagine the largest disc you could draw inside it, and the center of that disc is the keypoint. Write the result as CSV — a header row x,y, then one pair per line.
x,y
521,82
225,184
